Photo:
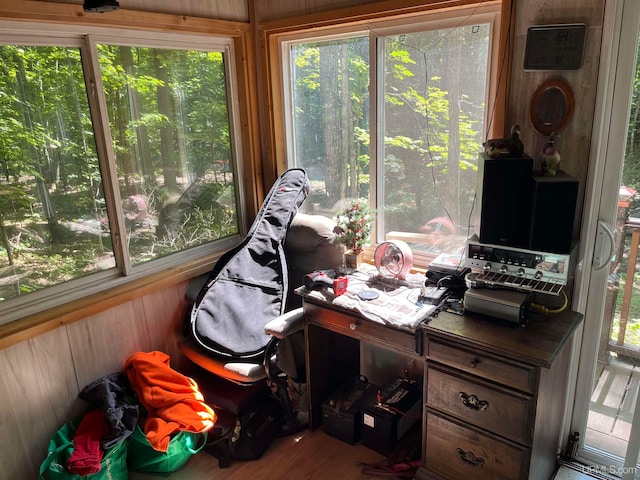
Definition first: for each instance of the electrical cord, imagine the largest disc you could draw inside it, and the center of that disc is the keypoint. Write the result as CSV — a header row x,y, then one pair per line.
x,y
535,307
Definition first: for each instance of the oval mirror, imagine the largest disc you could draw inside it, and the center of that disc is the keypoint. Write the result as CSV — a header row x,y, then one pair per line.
x,y
551,107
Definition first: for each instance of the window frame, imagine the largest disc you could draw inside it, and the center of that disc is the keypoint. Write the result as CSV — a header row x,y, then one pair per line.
x,y
377,20
47,308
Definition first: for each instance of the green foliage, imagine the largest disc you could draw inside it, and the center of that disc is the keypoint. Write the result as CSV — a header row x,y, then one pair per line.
x,y
631,168
426,157
169,122
632,330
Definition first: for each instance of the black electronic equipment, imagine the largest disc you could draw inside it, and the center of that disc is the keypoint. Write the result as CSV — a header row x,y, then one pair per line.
x,y
503,195
386,420
445,269
342,411
555,47
553,208
517,268
100,6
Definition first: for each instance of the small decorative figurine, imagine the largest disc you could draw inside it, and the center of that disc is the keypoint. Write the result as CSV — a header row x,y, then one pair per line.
x,y
505,147
550,157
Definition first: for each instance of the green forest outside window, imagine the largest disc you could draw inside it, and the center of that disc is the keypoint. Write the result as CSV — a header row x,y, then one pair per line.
x,y
164,183
394,116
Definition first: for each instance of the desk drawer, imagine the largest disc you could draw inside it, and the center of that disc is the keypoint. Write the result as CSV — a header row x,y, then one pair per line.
x,y
455,452
482,404
362,329
516,375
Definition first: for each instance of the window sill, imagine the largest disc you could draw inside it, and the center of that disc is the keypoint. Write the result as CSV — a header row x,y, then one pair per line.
x,y
43,322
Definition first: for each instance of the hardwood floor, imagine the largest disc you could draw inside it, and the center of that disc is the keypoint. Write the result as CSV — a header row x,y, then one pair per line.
x,y
306,455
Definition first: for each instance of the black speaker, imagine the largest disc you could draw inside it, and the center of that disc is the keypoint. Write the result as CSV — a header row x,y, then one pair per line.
x,y
504,194
553,210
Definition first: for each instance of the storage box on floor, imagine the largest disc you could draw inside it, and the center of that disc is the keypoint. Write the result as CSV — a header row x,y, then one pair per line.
x,y
379,417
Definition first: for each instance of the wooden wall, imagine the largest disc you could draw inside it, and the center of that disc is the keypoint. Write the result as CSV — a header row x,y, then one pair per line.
x,y
574,142
41,377
265,10
237,10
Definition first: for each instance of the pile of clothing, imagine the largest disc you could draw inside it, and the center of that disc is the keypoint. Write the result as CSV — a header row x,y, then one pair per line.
x,y
147,392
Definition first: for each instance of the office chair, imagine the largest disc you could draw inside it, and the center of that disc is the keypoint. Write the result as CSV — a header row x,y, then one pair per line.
x,y
310,244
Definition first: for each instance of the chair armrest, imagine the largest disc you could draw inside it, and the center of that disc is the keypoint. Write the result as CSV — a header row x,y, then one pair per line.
x,y
286,324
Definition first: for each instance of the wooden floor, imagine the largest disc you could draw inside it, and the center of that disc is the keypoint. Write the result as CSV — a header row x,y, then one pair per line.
x,y
319,456
612,405
305,456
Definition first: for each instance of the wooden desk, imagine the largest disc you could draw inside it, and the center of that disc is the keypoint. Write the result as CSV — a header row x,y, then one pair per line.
x,y
494,395
334,354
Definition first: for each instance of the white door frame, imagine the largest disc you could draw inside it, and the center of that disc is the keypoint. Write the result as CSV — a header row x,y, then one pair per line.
x,y
615,81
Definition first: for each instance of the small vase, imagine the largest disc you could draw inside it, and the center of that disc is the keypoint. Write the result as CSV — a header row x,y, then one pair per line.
x,y
353,260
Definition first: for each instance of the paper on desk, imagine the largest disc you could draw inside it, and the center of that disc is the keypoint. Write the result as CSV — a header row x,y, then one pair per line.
x,y
396,306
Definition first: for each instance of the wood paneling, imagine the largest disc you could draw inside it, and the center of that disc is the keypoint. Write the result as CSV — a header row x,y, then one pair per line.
x,y
236,10
40,378
574,142
39,388
101,343
265,10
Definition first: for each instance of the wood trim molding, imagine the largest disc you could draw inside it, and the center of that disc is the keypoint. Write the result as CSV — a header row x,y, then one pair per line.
x,y
368,12
504,74
64,13
43,322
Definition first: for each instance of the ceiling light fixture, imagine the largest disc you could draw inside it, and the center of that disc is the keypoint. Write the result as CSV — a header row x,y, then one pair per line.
x,y
100,6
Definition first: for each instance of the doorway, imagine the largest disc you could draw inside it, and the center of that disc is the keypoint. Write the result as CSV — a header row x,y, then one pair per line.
x,y
606,413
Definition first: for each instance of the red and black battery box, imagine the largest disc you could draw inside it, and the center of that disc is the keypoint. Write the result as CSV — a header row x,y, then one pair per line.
x,y
389,417
342,411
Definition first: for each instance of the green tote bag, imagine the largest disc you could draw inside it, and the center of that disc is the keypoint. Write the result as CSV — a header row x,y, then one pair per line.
x,y
113,464
142,457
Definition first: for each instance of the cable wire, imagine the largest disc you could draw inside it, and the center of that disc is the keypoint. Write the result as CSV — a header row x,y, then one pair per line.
x,y
544,310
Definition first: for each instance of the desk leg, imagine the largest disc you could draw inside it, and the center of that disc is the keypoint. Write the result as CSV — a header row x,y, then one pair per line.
x,y
332,360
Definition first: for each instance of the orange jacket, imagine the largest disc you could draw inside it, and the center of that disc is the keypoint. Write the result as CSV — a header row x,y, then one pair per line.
x,y
173,401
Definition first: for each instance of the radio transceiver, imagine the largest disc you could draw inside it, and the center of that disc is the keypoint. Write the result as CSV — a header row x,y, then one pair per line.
x,y
504,279
517,268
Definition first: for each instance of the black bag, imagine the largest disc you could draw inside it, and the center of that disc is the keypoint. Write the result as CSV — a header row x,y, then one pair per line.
x,y
256,430
248,286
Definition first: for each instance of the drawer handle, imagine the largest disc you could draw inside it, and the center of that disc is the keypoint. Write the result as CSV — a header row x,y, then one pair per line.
x,y
475,362
353,326
472,402
470,458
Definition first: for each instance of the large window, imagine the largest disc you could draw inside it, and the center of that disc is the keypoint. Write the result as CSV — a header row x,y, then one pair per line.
x,y
396,115
115,158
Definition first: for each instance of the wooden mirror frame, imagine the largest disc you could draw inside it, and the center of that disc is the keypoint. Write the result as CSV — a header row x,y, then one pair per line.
x,y
551,107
